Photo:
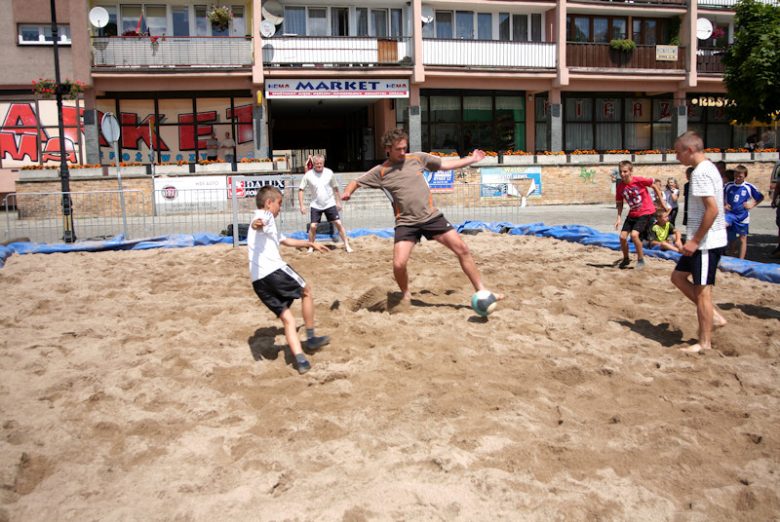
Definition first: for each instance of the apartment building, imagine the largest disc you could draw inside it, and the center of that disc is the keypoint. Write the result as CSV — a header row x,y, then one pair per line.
x,y
533,75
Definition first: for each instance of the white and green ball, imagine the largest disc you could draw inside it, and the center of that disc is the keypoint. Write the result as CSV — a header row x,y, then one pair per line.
x,y
484,302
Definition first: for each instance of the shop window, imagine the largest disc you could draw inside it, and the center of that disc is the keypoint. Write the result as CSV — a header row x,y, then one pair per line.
x,y
477,108
445,108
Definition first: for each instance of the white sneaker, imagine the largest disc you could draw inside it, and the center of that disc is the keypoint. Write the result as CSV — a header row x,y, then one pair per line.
x,y
310,250
349,249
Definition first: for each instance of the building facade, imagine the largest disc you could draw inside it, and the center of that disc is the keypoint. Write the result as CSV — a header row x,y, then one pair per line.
x,y
537,75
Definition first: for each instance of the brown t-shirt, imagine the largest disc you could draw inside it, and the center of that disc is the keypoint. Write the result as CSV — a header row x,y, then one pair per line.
x,y
405,185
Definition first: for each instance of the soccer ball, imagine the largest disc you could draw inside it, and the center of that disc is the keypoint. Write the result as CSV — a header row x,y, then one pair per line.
x,y
484,302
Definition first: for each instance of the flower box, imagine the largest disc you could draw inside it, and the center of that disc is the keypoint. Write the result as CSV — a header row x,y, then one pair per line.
x,y
649,158
39,174
519,159
713,156
553,159
614,159
736,157
97,172
255,166
583,159
766,156
214,168
487,160
171,170
127,171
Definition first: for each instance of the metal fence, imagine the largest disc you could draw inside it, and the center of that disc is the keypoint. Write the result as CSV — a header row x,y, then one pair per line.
x,y
101,215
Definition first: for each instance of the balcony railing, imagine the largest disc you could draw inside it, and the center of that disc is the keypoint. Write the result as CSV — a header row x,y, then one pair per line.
x,y
732,3
602,56
639,2
336,51
488,53
709,61
171,52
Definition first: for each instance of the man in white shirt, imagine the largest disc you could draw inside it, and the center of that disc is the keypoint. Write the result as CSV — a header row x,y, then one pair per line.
x,y
227,146
706,239
325,199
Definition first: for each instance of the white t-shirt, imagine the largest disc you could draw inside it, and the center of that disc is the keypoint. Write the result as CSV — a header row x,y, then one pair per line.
x,y
322,188
706,182
669,199
263,246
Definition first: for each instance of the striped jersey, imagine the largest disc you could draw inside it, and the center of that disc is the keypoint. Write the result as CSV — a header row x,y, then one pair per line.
x,y
706,182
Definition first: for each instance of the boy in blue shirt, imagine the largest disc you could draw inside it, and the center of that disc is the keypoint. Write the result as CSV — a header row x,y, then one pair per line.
x,y
737,196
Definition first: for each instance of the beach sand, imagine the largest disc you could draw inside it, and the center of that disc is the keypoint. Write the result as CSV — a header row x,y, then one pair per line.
x,y
154,386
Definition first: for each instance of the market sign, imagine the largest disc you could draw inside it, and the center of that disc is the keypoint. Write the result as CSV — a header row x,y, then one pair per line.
x,y
337,88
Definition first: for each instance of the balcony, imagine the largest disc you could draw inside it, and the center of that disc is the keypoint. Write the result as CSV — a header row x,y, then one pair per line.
x,y
709,61
488,53
171,52
731,3
642,2
602,56
335,51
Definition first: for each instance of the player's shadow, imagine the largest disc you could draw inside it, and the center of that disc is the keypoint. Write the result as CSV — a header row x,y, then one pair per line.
x,y
760,312
663,333
263,345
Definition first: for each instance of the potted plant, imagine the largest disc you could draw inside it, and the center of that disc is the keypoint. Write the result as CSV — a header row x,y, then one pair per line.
x,y
46,88
220,17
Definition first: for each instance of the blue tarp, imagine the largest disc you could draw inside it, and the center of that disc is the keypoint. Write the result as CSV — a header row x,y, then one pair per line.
x,y
769,272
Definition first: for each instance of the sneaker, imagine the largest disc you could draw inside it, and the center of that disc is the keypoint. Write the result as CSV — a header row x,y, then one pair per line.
x,y
317,342
640,264
304,367
623,264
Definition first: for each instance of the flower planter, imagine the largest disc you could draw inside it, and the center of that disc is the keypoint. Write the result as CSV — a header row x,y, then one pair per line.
x,y
648,158
280,165
97,172
736,157
519,159
256,166
127,171
713,156
554,159
583,159
766,156
42,174
614,159
171,170
214,168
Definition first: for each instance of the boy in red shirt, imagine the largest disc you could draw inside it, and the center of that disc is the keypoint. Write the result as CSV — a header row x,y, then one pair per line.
x,y
641,209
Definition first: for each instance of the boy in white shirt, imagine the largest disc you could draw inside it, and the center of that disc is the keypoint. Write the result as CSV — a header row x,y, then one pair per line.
x,y
274,281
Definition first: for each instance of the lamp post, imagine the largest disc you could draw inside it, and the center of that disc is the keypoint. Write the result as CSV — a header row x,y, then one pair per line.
x,y
69,235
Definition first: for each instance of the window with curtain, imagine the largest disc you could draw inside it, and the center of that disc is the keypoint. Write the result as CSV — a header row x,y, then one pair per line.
x,y
609,134
443,24
536,27
202,24
379,22
294,21
601,30
464,25
504,27
396,22
339,21
361,20
477,108
445,108
485,26
520,28
581,29
318,22
131,14
637,115
180,15
156,18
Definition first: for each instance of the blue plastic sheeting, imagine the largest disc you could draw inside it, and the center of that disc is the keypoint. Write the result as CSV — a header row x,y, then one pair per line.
x,y
768,272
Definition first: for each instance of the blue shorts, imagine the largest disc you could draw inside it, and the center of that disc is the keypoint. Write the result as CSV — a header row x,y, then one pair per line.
x,y
702,265
735,230
279,289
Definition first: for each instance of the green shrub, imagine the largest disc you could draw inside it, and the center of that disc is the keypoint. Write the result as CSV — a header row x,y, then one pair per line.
x,y
623,45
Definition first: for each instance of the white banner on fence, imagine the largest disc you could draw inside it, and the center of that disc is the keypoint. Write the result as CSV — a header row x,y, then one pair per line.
x,y
190,194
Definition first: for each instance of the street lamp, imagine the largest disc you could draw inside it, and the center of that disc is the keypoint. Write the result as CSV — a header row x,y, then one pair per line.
x,y
69,235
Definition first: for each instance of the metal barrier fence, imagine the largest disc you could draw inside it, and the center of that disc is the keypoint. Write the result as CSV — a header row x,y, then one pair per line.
x,y
100,215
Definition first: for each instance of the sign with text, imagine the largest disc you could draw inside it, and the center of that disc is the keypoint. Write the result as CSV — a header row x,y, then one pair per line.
x,y
337,88
502,182
441,180
187,194
666,53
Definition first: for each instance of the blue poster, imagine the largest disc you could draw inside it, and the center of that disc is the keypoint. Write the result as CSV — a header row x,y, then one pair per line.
x,y
518,182
441,180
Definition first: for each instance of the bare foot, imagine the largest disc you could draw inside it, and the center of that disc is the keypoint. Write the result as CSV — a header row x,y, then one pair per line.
x,y
499,297
696,348
718,321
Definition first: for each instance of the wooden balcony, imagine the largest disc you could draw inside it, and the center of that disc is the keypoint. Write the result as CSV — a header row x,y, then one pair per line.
x,y
171,52
602,56
301,51
709,61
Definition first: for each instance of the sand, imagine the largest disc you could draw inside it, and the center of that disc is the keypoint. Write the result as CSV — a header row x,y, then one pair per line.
x,y
154,386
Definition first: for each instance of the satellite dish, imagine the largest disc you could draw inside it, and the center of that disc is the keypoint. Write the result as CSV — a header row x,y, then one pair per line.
x,y
703,28
98,17
267,29
427,14
273,11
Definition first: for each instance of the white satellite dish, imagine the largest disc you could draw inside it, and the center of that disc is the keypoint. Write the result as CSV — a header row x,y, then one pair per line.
x,y
703,28
273,11
98,17
267,29
427,14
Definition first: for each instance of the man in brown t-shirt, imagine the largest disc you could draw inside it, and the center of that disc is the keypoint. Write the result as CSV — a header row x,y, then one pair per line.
x,y
401,177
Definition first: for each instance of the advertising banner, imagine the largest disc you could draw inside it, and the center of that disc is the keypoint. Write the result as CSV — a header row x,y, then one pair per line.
x,y
190,194
441,180
501,182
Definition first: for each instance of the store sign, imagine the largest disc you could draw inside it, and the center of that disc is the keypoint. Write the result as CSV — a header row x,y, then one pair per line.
x,y
337,88
711,101
666,53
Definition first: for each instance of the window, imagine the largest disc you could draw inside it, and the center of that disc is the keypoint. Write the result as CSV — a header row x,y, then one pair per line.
x,y
649,31
536,27
41,35
443,24
396,22
181,20
519,28
156,19
339,21
379,22
361,19
485,26
294,21
318,22
596,29
503,27
464,25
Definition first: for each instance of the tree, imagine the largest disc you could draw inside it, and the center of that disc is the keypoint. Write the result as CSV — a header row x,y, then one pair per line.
x,y
752,63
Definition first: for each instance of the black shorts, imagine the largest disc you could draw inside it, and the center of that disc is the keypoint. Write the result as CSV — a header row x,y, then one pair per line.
x,y
702,265
279,289
638,223
435,227
331,214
